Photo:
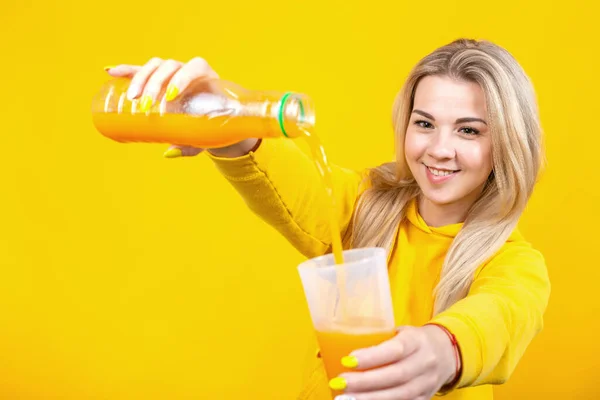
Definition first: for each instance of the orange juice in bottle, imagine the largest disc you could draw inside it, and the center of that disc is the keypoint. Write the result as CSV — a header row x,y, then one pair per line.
x,y
210,113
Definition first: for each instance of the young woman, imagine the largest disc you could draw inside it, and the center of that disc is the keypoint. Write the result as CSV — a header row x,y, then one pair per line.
x,y
469,291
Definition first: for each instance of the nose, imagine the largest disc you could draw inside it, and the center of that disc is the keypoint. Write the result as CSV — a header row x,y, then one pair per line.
x,y
441,146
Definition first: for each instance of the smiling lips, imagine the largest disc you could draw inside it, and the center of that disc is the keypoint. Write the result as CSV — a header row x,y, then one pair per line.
x,y
440,175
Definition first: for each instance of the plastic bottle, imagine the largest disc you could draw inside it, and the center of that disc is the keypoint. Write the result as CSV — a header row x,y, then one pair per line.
x,y
208,114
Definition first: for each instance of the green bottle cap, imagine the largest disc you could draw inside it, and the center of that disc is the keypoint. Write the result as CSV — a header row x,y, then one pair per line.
x,y
284,99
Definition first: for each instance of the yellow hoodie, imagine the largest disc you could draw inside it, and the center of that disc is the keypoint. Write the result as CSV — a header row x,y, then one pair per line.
x,y
494,324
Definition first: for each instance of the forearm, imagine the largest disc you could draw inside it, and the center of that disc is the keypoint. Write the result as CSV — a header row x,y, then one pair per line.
x,y
498,320
282,185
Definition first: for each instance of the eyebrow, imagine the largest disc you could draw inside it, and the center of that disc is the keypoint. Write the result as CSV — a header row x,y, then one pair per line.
x,y
458,121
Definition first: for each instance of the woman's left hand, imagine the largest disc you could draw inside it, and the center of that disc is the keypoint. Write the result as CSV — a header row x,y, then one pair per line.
x,y
413,365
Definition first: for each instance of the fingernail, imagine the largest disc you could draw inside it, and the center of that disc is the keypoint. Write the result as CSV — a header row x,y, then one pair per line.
x,y
172,92
338,383
173,153
132,92
344,397
146,103
350,362
109,67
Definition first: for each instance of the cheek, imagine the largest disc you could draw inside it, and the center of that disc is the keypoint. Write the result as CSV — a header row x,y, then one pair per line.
x,y
414,146
477,156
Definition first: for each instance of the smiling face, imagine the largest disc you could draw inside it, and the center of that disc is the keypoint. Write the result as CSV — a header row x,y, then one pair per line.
x,y
448,145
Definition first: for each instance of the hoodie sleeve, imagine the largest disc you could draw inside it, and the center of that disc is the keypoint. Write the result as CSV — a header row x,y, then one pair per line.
x,y
282,185
500,316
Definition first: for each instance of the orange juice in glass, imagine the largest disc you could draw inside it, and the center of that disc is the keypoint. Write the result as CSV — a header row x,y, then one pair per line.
x,y
350,303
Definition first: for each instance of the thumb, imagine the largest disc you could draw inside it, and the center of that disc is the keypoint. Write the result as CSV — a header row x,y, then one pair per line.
x,y
182,151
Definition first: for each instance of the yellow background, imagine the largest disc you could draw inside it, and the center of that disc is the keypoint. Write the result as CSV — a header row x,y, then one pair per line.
x,y
124,275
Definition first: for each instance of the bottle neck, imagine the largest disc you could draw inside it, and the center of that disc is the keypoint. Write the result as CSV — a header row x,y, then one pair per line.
x,y
295,115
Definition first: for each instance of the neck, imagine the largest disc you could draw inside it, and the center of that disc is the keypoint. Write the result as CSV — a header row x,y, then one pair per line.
x,y
436,215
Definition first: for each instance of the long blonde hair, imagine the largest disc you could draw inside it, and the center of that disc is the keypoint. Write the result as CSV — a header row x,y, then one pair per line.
x,y
517,159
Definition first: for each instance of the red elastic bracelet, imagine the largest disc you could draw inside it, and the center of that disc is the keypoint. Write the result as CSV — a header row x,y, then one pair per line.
x,y
456,350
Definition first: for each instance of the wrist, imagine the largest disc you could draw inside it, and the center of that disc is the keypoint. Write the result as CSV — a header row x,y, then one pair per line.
x,y
236,150
451,353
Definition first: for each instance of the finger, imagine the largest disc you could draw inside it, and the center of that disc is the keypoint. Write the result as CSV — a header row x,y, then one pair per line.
x,y
182,151
158,80
386,377
196,68
122,70
402,345
141,77
420,388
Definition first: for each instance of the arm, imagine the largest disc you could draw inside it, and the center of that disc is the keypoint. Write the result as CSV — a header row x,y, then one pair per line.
x,y
500,316
281,184
277,180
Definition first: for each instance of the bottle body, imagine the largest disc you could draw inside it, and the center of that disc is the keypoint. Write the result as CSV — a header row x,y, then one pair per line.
x,y
210,113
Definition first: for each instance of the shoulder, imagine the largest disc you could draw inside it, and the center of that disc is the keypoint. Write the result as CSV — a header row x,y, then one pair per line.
x,y
382,177
517,271
516,259
517,252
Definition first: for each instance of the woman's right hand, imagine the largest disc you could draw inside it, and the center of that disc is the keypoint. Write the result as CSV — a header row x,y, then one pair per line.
x,y
171,78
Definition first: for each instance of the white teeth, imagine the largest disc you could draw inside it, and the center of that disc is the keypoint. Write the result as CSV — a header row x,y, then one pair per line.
x,y
438,172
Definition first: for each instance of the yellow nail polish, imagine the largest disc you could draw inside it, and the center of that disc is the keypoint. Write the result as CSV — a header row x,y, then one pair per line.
x,y
172,92
146,103
173,153
337,383
350,362
109,67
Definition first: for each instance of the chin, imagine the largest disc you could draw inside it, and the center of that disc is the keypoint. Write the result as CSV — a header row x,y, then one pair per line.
x,y
440,199
438,196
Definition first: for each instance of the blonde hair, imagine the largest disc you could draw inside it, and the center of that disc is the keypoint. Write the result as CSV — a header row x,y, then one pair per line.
x,y
517,159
